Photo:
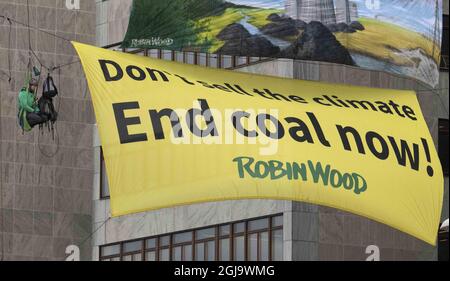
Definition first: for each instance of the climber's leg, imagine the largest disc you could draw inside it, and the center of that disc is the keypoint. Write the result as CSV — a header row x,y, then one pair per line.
x,y
36,119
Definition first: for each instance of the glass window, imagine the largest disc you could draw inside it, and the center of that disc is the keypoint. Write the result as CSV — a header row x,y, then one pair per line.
x,y
277,245
182,237
443,145
225,230
258,224
132,246
212,60
205,233
110,250
277,221
190,57
223,242
150,256
225,249
164,255
164,241
253,247
187,253
153,53
263,246
150,243
179,56
238,249
137,257
211,251
239,227
202,59
241,61
226,61
200,252
176,254
167,55
442,246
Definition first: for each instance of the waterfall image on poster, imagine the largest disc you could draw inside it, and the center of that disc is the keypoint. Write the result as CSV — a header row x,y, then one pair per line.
x,y
397,36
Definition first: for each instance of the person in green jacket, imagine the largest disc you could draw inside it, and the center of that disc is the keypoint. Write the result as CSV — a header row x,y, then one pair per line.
x,y
29,115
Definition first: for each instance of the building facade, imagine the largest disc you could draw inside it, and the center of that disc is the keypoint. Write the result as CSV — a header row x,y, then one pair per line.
x,y
346,11
312,10
54,192
255,229
45,183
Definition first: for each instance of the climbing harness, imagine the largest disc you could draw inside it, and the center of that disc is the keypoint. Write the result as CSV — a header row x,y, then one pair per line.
x,y
45,103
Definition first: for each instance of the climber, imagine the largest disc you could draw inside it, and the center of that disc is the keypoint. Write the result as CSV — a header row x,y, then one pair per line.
x,y
29,113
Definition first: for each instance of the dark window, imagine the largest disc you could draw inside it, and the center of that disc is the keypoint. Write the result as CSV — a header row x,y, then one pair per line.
x,y
205,244
258,243
239,241
252,240
443,144
104,186
111,252
182,246
150,249
444,45
132,251
443,245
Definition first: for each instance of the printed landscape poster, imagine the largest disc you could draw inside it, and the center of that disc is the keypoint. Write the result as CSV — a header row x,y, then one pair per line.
x,y
397,36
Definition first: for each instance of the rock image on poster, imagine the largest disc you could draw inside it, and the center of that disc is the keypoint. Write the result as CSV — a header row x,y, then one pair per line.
x,y
397,36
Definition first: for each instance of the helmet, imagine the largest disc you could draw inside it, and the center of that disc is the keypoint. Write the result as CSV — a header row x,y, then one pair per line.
x,y
33,82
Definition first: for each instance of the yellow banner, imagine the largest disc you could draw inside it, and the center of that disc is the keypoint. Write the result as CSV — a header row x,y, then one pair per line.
x,y
176,134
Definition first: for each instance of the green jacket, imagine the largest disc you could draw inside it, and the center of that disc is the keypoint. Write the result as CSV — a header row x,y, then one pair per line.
x,y
27,103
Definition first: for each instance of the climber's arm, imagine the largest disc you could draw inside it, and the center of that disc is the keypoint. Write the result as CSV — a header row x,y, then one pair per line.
x,y
23,102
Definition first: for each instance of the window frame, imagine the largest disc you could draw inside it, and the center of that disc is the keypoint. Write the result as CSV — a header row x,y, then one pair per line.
x,y
133,253
194,241
183,244
441,134
151,249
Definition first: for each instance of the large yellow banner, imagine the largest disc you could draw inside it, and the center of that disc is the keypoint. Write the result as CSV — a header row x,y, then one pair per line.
x,y
176,134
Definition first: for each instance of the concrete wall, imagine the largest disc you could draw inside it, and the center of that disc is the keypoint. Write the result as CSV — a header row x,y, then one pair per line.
x,y
320,233
112,20
46,202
